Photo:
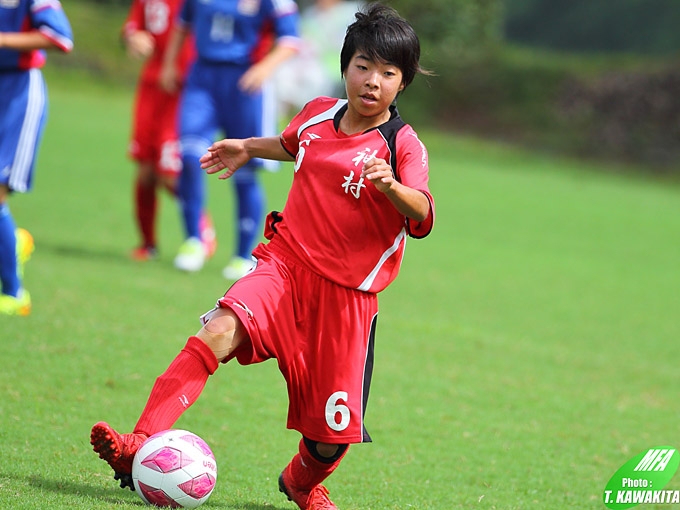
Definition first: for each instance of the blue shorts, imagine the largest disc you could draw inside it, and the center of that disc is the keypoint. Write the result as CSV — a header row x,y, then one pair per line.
x,y
212,104
23,113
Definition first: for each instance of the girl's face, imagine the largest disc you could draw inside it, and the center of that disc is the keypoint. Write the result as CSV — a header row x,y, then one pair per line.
x,y
371,87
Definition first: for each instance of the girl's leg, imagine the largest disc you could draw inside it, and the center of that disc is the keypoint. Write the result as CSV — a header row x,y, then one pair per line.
x,y
145,207
301,479
250,209
173,392
9,275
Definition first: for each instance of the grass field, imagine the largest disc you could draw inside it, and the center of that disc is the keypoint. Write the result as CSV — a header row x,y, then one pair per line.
x,y
528,349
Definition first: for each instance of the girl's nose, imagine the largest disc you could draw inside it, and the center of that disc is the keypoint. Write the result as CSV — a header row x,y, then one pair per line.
x,y
372,80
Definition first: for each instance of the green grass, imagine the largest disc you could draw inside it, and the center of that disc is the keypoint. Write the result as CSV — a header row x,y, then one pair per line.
x,y
98,50
527,350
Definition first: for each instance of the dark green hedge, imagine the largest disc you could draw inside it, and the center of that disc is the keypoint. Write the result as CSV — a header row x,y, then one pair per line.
x,y
639,26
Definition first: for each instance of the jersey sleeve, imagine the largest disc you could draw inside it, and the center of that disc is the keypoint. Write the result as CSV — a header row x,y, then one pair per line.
x,y
49,18
186,14
135,19
413,171
290,137
286,22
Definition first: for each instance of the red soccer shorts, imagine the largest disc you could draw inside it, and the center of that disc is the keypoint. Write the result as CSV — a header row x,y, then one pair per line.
x,y
155,129
322,336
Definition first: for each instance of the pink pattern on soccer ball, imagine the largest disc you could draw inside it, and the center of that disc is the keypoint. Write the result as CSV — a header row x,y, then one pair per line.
x,y
175,456
157,497
198,443
199,486
166,459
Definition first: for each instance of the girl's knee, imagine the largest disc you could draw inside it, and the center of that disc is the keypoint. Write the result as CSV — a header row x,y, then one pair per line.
x,y
325,452
223,332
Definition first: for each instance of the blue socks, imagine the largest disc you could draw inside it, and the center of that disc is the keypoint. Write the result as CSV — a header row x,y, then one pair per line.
x,y
8,253
249,197
250,209
191,189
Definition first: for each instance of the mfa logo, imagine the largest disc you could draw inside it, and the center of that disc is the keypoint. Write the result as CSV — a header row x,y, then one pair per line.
x,y
642,479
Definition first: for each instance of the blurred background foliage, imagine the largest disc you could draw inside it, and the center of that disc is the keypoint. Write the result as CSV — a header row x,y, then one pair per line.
x,y
644,27
593,78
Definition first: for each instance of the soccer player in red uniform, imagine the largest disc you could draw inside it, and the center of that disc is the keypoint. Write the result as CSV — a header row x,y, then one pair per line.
x,y
360,188
155,140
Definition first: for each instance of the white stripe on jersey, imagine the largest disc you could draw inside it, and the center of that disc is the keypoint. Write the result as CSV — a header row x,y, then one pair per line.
x,y
39,5
282,7
366,284
28,136
269,119
64,43
195,145
328,114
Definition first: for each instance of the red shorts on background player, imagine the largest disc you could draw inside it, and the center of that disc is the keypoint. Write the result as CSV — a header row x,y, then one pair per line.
x,y
154,145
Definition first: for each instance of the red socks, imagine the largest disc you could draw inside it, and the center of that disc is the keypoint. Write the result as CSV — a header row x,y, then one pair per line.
x,y
306,471
181,384
145,210
178,387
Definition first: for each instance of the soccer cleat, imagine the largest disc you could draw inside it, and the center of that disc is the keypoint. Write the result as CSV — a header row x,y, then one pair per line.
x,y
237,268
315,499
116,449
24,248
318,499
20,305
208,235
144,254
191,255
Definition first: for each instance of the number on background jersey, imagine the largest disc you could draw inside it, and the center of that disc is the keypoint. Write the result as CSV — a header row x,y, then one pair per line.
x,y
222,28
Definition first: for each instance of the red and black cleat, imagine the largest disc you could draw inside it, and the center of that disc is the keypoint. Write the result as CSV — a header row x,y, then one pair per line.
x,y
118,450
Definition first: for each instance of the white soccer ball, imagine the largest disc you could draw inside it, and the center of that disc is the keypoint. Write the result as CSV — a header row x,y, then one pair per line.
x,y
174,468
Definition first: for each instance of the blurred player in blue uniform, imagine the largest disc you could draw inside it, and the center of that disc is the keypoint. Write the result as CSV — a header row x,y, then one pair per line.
x,y
27,29
239,44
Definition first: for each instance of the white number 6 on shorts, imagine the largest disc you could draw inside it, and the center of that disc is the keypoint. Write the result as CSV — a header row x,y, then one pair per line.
x,y
333,407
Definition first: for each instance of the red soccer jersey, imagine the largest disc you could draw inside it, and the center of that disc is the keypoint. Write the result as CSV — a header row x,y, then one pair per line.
x,y
337,224
158,17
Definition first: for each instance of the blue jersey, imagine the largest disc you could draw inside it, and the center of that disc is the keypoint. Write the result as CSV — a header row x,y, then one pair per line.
x,y
240,31
46,16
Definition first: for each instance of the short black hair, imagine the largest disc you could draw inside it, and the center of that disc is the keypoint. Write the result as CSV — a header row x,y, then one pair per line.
x,y
384,36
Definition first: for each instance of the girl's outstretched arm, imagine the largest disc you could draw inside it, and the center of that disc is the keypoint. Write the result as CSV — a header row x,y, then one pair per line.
x,y
232,154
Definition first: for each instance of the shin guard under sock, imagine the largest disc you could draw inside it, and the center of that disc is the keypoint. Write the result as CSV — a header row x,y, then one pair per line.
x,y
307,471
178,387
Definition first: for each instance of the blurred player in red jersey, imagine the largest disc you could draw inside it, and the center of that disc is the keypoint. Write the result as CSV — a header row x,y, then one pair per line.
x,y
155,141
360,188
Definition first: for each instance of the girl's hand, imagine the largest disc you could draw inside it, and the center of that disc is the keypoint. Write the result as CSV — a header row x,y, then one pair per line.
x,y
140,44
379,173
253,79
228,155
169,79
